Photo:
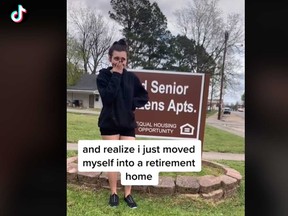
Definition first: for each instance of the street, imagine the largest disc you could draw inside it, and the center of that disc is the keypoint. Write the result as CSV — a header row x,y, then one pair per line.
x,y
233,123
240,114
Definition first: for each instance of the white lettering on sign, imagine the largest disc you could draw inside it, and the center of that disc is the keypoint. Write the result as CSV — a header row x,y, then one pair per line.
x,y
168,88
173,106
180,107
154,105
175,97
166,128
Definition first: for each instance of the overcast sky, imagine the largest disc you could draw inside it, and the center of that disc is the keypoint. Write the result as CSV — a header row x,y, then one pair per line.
x,y
168,7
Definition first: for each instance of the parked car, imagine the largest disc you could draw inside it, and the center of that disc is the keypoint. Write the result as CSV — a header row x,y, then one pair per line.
x,y
240,110
227,110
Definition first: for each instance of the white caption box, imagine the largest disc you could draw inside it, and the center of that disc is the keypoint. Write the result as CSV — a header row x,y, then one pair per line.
x,y
139,161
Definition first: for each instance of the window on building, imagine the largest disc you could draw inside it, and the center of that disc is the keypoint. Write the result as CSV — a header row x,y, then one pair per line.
x,y
96,97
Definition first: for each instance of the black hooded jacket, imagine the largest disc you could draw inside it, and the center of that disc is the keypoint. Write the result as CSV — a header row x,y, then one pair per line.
x,y
120,94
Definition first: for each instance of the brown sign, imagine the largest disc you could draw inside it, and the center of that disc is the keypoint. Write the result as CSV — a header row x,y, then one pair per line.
x,y
177,105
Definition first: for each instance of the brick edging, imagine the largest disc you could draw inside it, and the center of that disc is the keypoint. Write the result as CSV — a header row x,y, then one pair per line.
x,y
208,186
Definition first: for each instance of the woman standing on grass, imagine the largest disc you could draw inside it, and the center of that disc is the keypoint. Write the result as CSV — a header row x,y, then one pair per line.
x,y
121,92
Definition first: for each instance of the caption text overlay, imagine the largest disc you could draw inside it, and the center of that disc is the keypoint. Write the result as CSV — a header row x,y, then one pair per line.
x,y
139,161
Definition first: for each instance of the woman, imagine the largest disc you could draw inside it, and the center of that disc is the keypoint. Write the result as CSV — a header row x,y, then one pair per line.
x,y
121,92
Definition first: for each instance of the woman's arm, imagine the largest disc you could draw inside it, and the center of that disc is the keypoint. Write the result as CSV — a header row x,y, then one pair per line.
x,y
140,94
108,87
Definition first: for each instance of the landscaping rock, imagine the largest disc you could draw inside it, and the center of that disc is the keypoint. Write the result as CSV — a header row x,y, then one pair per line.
x,y
209,183
166,186
228,182
89,177
103,178
214,195
187,184
72,160
234,174
140,188
72,170
230,193
207,187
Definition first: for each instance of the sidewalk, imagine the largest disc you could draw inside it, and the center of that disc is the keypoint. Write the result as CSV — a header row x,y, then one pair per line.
x,y
230,123
206,155
84,111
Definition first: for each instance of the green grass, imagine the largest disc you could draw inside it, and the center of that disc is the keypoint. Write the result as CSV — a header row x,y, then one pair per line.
x,y
240,167
71,153
210,113
221,141
81,127
84,202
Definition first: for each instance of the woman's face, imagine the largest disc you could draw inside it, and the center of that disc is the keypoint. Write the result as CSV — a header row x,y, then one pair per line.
x,y
118,57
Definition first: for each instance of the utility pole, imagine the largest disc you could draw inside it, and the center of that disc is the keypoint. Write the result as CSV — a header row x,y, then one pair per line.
x,y
222,75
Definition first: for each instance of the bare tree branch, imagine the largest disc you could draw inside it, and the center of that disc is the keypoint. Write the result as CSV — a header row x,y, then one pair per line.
x,y
203,22
93,33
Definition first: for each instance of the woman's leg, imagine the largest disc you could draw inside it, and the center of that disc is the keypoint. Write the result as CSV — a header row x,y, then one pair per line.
x,y
112,176
127,189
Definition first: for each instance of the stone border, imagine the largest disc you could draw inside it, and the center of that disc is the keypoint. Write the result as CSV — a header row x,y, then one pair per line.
x,y
208,187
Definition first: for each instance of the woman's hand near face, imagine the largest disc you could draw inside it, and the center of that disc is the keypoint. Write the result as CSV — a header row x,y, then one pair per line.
x,y
118,61
118,67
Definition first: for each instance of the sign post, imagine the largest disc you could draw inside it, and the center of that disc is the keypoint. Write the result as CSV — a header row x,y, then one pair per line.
x,y
177,105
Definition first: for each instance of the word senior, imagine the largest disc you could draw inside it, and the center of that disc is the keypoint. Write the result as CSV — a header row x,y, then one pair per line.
x,y
167,88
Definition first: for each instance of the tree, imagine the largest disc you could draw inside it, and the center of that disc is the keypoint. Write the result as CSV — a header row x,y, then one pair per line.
x,y
156,37
92,34
74,71
73,74
243,98
183,55
203,22
145,28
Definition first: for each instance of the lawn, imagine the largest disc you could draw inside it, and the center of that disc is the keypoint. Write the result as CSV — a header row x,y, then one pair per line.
x,y
81,127
210,113
84,202
217,140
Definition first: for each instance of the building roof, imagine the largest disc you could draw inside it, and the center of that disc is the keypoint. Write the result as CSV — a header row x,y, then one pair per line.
x,y
86,82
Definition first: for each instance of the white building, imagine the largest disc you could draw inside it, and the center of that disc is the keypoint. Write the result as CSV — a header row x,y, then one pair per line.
x,y
85,93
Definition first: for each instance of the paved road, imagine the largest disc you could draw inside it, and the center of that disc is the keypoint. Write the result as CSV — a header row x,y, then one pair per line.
x,y
240,114
233,123
84,111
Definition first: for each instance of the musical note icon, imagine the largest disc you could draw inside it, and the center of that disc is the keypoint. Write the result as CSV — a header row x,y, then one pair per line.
x,y
17,16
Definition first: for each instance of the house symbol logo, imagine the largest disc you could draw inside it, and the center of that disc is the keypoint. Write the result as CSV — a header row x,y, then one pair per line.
x,y
187,129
